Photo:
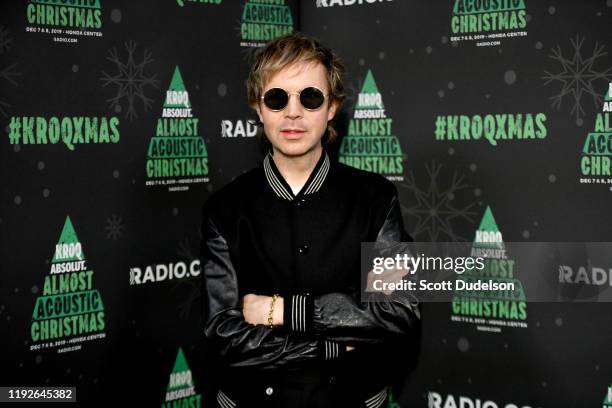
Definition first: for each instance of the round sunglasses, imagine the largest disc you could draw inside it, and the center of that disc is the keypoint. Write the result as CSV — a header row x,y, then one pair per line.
x,y
276,99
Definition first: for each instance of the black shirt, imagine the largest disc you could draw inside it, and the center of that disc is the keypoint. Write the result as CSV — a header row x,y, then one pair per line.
x,y
260,238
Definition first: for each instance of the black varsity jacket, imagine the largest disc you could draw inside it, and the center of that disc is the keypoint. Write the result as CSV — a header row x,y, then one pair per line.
x,y
260,238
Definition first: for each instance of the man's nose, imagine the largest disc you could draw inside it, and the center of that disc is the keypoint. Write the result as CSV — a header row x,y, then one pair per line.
x,y
294,107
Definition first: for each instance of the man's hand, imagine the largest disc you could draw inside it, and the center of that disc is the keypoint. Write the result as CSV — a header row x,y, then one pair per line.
x,y
256,309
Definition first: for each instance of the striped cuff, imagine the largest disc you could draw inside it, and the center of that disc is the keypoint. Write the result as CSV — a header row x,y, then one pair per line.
x,y
377,400
224,401
298,313
332,349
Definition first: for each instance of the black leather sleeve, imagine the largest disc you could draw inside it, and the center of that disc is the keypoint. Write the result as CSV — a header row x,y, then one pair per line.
x,y
344,317
242,344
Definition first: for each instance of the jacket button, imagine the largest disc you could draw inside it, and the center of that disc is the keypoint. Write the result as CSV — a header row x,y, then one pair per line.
x,y
269,391
332,379
303,249
301,202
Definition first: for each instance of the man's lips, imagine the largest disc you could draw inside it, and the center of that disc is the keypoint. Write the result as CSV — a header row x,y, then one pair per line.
x,y
292,132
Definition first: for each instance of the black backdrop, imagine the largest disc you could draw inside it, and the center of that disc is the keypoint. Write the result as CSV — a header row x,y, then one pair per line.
x,y
116,63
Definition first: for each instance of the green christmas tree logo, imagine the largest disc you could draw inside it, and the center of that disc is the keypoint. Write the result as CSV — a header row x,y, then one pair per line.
x,y
68,237
181,388
498,267
69,306
177,87
607,401
370,144
177,154
488,234
595,160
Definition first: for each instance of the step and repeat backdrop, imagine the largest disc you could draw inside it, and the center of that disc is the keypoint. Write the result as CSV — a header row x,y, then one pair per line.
x,y
119,119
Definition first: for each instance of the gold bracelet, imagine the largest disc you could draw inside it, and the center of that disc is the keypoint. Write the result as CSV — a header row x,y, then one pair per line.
x,y
271,314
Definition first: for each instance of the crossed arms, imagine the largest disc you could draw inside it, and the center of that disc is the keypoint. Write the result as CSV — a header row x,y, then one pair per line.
x,y
316,327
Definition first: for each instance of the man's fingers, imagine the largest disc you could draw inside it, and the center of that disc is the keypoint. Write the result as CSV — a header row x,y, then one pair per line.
x,y
395,276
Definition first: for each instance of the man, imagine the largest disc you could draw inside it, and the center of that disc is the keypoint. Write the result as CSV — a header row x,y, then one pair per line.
x,y
281,253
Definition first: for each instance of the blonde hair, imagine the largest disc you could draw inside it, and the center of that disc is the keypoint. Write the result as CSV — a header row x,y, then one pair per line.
x,y
290,48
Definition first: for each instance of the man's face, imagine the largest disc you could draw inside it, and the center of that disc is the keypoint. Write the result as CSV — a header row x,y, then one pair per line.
x,y
296,131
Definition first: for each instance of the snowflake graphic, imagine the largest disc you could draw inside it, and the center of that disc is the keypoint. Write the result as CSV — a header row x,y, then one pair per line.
x,y
5,40
7,73
184,307
130,80
3,107
438,214
577,76
114,227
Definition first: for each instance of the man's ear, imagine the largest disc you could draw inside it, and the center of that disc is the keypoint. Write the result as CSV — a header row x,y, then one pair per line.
x,y
257,109
333,107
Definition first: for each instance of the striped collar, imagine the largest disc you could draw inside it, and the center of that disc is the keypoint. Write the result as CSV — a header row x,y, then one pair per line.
x,y
280,186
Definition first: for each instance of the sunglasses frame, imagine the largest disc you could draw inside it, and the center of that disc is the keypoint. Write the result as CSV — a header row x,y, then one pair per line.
x,y
325,95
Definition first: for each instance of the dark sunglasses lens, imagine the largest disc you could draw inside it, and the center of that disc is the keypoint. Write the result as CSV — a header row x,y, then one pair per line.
x,y
276,99
312,98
